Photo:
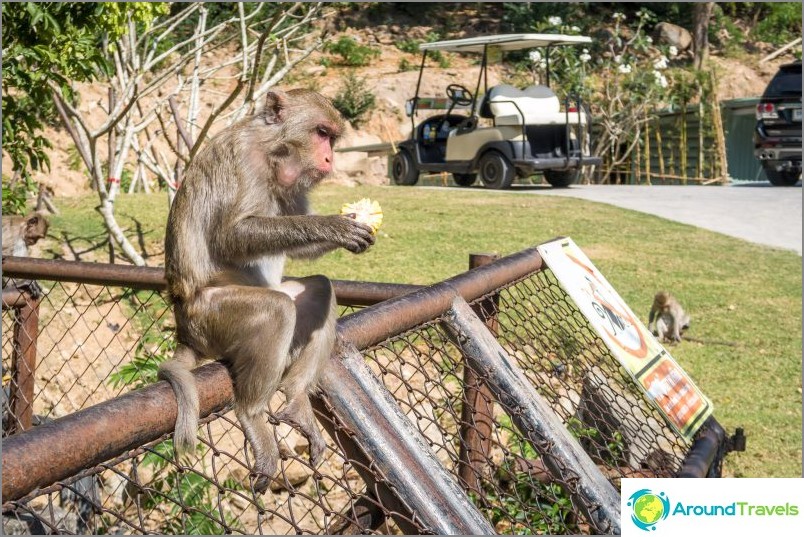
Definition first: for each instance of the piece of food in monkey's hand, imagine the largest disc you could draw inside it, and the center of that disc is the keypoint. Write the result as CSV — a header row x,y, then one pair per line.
x,y
366,212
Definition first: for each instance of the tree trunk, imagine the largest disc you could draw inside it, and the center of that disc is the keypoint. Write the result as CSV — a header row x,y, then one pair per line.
x,y
701,13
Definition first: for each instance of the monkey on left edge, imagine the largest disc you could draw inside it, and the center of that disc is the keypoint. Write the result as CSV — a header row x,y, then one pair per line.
x,y
241,210
20,232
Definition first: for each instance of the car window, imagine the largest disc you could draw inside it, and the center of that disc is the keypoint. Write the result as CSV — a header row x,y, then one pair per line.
x,y
784,83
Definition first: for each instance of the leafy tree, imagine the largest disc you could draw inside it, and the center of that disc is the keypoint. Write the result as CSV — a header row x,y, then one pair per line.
x,y
45,46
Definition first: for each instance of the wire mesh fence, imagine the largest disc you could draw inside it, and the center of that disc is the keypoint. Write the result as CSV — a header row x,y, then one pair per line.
x,y
96,342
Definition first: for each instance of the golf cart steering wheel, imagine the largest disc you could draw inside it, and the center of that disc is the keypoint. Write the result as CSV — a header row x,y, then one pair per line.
x,y
459,95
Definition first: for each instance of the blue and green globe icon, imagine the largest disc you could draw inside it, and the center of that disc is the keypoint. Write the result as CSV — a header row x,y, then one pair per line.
x,y
648,508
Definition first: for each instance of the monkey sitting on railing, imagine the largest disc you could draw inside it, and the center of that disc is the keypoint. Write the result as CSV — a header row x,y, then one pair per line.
x,y
20,232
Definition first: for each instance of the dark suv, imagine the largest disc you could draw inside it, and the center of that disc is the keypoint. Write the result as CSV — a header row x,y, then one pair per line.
x,y
777,138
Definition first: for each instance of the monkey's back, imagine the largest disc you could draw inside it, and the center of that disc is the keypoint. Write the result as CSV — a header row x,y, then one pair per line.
x,y
208,197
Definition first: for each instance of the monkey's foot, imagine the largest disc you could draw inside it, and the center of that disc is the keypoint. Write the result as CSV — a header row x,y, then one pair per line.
x,y
264,474
308,428
261,484
317,447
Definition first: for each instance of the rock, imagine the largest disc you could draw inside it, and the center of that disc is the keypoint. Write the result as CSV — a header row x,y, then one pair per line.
x,y
672,34
292,474
315,70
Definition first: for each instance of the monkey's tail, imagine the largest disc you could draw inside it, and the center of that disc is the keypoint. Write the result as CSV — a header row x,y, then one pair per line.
x,y
177,372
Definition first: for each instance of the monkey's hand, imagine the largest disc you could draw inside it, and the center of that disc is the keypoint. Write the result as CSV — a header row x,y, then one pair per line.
x,y
351,234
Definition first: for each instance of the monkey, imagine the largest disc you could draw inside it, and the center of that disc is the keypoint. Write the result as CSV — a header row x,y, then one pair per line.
x,y
241,210
667,317
20,232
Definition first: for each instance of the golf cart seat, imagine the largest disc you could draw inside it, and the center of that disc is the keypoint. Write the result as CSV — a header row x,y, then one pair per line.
x,y
534,105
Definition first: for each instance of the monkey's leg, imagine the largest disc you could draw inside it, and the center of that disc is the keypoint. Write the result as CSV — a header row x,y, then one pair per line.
x,y
252,329
662,328
313,341
177,372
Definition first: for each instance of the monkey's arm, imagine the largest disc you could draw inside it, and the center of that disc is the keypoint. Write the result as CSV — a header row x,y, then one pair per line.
x,y
651,318
252,237
311,251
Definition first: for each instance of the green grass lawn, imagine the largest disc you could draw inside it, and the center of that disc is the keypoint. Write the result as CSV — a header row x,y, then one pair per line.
x,y
734,290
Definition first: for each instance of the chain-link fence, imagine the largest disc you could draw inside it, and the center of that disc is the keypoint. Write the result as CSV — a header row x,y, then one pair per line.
x,y
418,441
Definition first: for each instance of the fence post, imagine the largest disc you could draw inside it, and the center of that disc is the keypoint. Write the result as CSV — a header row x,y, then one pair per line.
x,y
23,364
476,410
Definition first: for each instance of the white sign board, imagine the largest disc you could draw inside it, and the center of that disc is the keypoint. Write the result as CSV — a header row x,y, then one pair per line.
x,y
666,384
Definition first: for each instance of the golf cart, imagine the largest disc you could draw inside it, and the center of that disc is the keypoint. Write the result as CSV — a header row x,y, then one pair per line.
x,y
528,132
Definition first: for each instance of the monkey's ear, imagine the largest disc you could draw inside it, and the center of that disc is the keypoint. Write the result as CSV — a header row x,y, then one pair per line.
x,y
274,111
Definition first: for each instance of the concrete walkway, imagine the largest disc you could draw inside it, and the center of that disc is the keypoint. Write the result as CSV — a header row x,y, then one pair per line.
x,y
758,212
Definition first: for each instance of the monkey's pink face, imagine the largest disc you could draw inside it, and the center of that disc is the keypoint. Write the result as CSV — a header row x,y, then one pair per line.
x,y
317,161
323,142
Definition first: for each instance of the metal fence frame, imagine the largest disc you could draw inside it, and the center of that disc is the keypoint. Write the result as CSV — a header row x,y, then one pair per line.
x,y
416,491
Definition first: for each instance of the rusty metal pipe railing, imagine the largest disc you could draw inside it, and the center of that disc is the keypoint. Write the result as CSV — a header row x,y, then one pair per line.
x,y
348,293
93,435
396,315
397,448
704,450
60,449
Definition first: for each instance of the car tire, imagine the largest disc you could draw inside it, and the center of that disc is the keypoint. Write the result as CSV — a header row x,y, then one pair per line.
x,y
496,171
464,179
783,177
561,179
403,169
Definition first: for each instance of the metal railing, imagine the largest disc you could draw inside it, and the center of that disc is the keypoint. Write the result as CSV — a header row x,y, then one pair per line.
x,y
425,434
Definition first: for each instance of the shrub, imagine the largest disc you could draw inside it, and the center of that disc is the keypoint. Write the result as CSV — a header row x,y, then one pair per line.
x,y
405,65
351,52
353,99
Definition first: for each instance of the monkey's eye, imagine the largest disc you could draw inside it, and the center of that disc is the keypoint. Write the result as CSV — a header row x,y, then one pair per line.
x,y
323,133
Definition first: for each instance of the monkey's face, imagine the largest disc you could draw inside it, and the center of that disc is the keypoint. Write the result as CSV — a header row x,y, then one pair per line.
x,y
35,228
310,125
322,156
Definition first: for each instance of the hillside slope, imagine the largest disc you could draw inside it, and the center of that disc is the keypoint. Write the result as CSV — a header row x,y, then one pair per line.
x,y
743,76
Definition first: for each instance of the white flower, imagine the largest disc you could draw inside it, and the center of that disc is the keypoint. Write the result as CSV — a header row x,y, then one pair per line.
x,y
660,79
575,29
618,16
618,59
535,56
554,21
660,63
649,39
673,51
624,68
585,57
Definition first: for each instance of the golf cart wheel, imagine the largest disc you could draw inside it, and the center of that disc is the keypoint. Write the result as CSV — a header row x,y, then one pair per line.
x,y
464,179
496,171
783,177
403,169
561,179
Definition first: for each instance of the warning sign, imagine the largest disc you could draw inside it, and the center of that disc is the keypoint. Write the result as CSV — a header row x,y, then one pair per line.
x,y
666,384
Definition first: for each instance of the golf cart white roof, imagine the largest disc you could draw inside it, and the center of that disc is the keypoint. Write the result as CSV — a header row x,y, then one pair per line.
x,y
506,42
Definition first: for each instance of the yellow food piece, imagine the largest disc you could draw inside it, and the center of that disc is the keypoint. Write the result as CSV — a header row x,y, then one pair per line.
x,y
366,212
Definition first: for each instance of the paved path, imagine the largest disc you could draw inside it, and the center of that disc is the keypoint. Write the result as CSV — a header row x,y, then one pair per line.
x,y
756,212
